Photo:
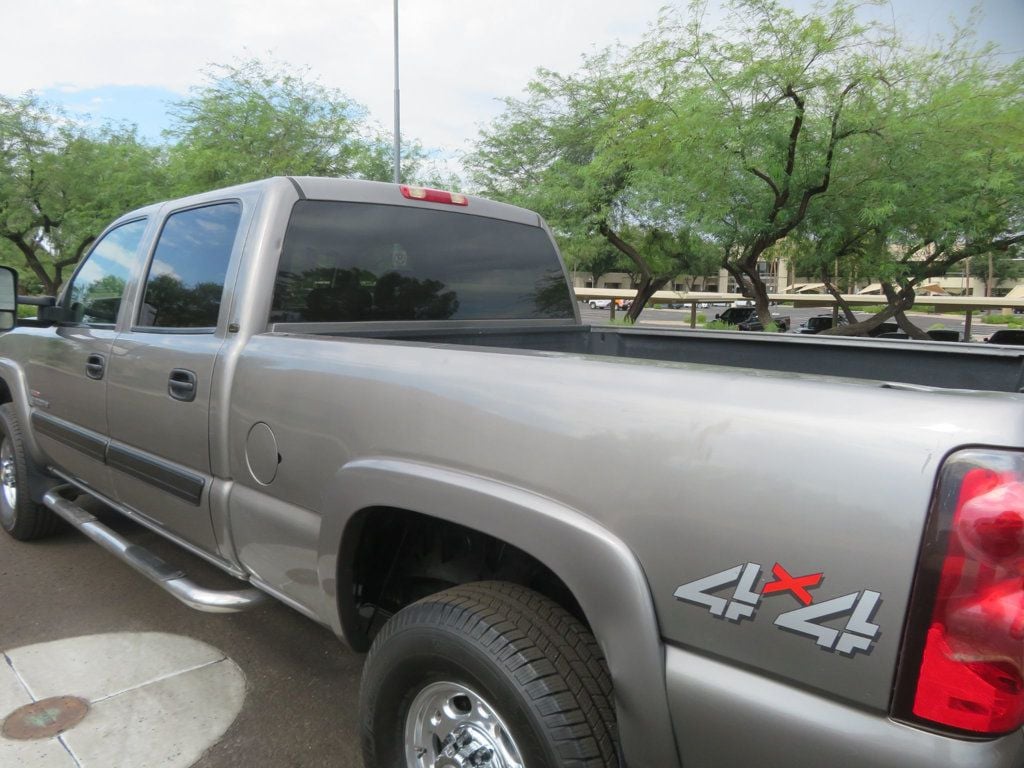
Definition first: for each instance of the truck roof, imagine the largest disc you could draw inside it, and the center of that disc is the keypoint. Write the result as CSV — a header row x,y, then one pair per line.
x,y
349,190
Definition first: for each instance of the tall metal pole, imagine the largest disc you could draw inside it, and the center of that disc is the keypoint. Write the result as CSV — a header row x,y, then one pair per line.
x,y
398,131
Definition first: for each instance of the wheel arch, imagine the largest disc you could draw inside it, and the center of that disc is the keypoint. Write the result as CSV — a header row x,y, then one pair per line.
x,y
13,389
599,570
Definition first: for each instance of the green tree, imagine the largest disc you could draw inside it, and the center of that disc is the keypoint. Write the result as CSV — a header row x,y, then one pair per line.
x,y
252,120
764,112
941,186
61,184
575,148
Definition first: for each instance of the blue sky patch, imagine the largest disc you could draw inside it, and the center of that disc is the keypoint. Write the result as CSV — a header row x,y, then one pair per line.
x,y
146,107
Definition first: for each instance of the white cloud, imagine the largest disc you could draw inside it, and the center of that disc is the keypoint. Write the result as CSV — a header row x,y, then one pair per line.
x,y
458,57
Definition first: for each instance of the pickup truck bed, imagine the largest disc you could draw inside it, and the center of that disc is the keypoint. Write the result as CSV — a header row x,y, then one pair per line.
x,y
945,365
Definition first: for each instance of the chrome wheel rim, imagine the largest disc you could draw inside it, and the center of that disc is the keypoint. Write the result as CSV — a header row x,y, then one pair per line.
x,y
8,475
452,726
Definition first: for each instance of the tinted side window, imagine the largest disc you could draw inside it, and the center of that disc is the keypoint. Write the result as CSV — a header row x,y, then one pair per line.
x,y
344,262
94,295
186,278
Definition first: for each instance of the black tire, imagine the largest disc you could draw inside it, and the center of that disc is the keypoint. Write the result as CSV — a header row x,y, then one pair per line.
x,y
535,665
24,520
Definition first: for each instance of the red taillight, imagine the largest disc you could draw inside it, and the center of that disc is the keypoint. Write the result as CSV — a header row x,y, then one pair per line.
x,y
433,195
970,668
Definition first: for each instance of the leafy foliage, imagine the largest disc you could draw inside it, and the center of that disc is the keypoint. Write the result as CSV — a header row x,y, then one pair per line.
x,y
252,120
569,149
61,184
810,136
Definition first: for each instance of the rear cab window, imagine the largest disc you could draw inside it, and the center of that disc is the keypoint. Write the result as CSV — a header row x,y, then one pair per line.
x,y
352,262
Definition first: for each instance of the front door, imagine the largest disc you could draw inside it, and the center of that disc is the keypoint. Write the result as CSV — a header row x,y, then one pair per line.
x,y
161,371
68,365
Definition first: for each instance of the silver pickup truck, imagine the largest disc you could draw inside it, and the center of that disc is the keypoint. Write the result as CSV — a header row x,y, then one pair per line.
x,y
562,545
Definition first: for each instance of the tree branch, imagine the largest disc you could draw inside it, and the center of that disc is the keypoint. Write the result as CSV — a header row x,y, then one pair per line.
x,y
634,255
767,180
31,260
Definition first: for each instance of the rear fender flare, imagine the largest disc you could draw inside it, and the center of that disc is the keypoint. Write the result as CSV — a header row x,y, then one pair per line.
x,y
600,570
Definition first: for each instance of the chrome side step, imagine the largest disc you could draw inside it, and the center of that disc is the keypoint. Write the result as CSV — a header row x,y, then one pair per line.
x,y
161,573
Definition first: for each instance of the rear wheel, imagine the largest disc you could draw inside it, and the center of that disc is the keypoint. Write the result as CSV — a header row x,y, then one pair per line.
x,y
490,675
21,517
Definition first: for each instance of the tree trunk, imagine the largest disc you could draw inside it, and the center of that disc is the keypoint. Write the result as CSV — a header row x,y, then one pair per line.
x,y
33,263
758,291
648,287
842,303
898,303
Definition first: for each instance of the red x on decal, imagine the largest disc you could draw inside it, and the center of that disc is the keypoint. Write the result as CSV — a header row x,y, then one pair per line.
x,y
798,585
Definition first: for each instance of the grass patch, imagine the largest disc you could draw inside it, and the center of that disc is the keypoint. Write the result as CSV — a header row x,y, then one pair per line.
x,y
721,325
1014,321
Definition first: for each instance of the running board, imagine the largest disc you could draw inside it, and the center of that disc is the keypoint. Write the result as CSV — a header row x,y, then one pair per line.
x,y
161,573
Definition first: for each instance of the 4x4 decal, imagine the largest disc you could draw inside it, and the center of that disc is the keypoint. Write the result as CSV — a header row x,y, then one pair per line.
x,y
858,634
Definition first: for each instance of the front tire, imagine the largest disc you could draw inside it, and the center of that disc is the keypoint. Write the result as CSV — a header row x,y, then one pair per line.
x,y
21,517
489,674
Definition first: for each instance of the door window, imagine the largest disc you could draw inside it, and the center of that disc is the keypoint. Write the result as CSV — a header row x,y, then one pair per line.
x,y
186,277
94,295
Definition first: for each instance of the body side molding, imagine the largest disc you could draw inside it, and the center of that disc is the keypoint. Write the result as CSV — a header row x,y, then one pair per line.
x,y
82,440
161,474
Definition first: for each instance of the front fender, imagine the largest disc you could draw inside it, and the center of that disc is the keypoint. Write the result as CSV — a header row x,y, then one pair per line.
x,y
13,375
599,569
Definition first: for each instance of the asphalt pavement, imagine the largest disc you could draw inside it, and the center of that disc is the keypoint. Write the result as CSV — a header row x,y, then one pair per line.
x,y
300,706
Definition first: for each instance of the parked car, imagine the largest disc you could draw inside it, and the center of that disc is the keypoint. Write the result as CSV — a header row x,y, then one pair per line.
x,y
883,329
936,334
819,323
746,319
600,303
561,545
688,304
1014,336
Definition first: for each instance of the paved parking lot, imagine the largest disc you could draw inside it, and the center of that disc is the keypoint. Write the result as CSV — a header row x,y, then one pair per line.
x,y
300,685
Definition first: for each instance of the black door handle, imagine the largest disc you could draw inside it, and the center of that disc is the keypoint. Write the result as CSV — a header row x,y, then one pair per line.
x,y
94,366
182,385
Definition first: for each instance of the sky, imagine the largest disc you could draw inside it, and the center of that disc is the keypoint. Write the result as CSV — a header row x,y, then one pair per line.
x,y
127,60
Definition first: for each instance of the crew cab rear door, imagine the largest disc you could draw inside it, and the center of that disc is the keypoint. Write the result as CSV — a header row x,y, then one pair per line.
x,y
161,372
67,365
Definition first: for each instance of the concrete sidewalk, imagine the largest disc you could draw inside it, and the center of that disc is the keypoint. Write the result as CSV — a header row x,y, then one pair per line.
x,y
300,705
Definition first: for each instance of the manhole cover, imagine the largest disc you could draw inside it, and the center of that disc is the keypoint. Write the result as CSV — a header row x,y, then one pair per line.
x,y
45,719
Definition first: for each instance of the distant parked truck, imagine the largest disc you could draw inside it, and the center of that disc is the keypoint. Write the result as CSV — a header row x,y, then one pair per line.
x,y
377,404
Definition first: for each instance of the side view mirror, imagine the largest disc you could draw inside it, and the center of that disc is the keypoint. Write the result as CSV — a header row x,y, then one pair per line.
x,y
8,298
